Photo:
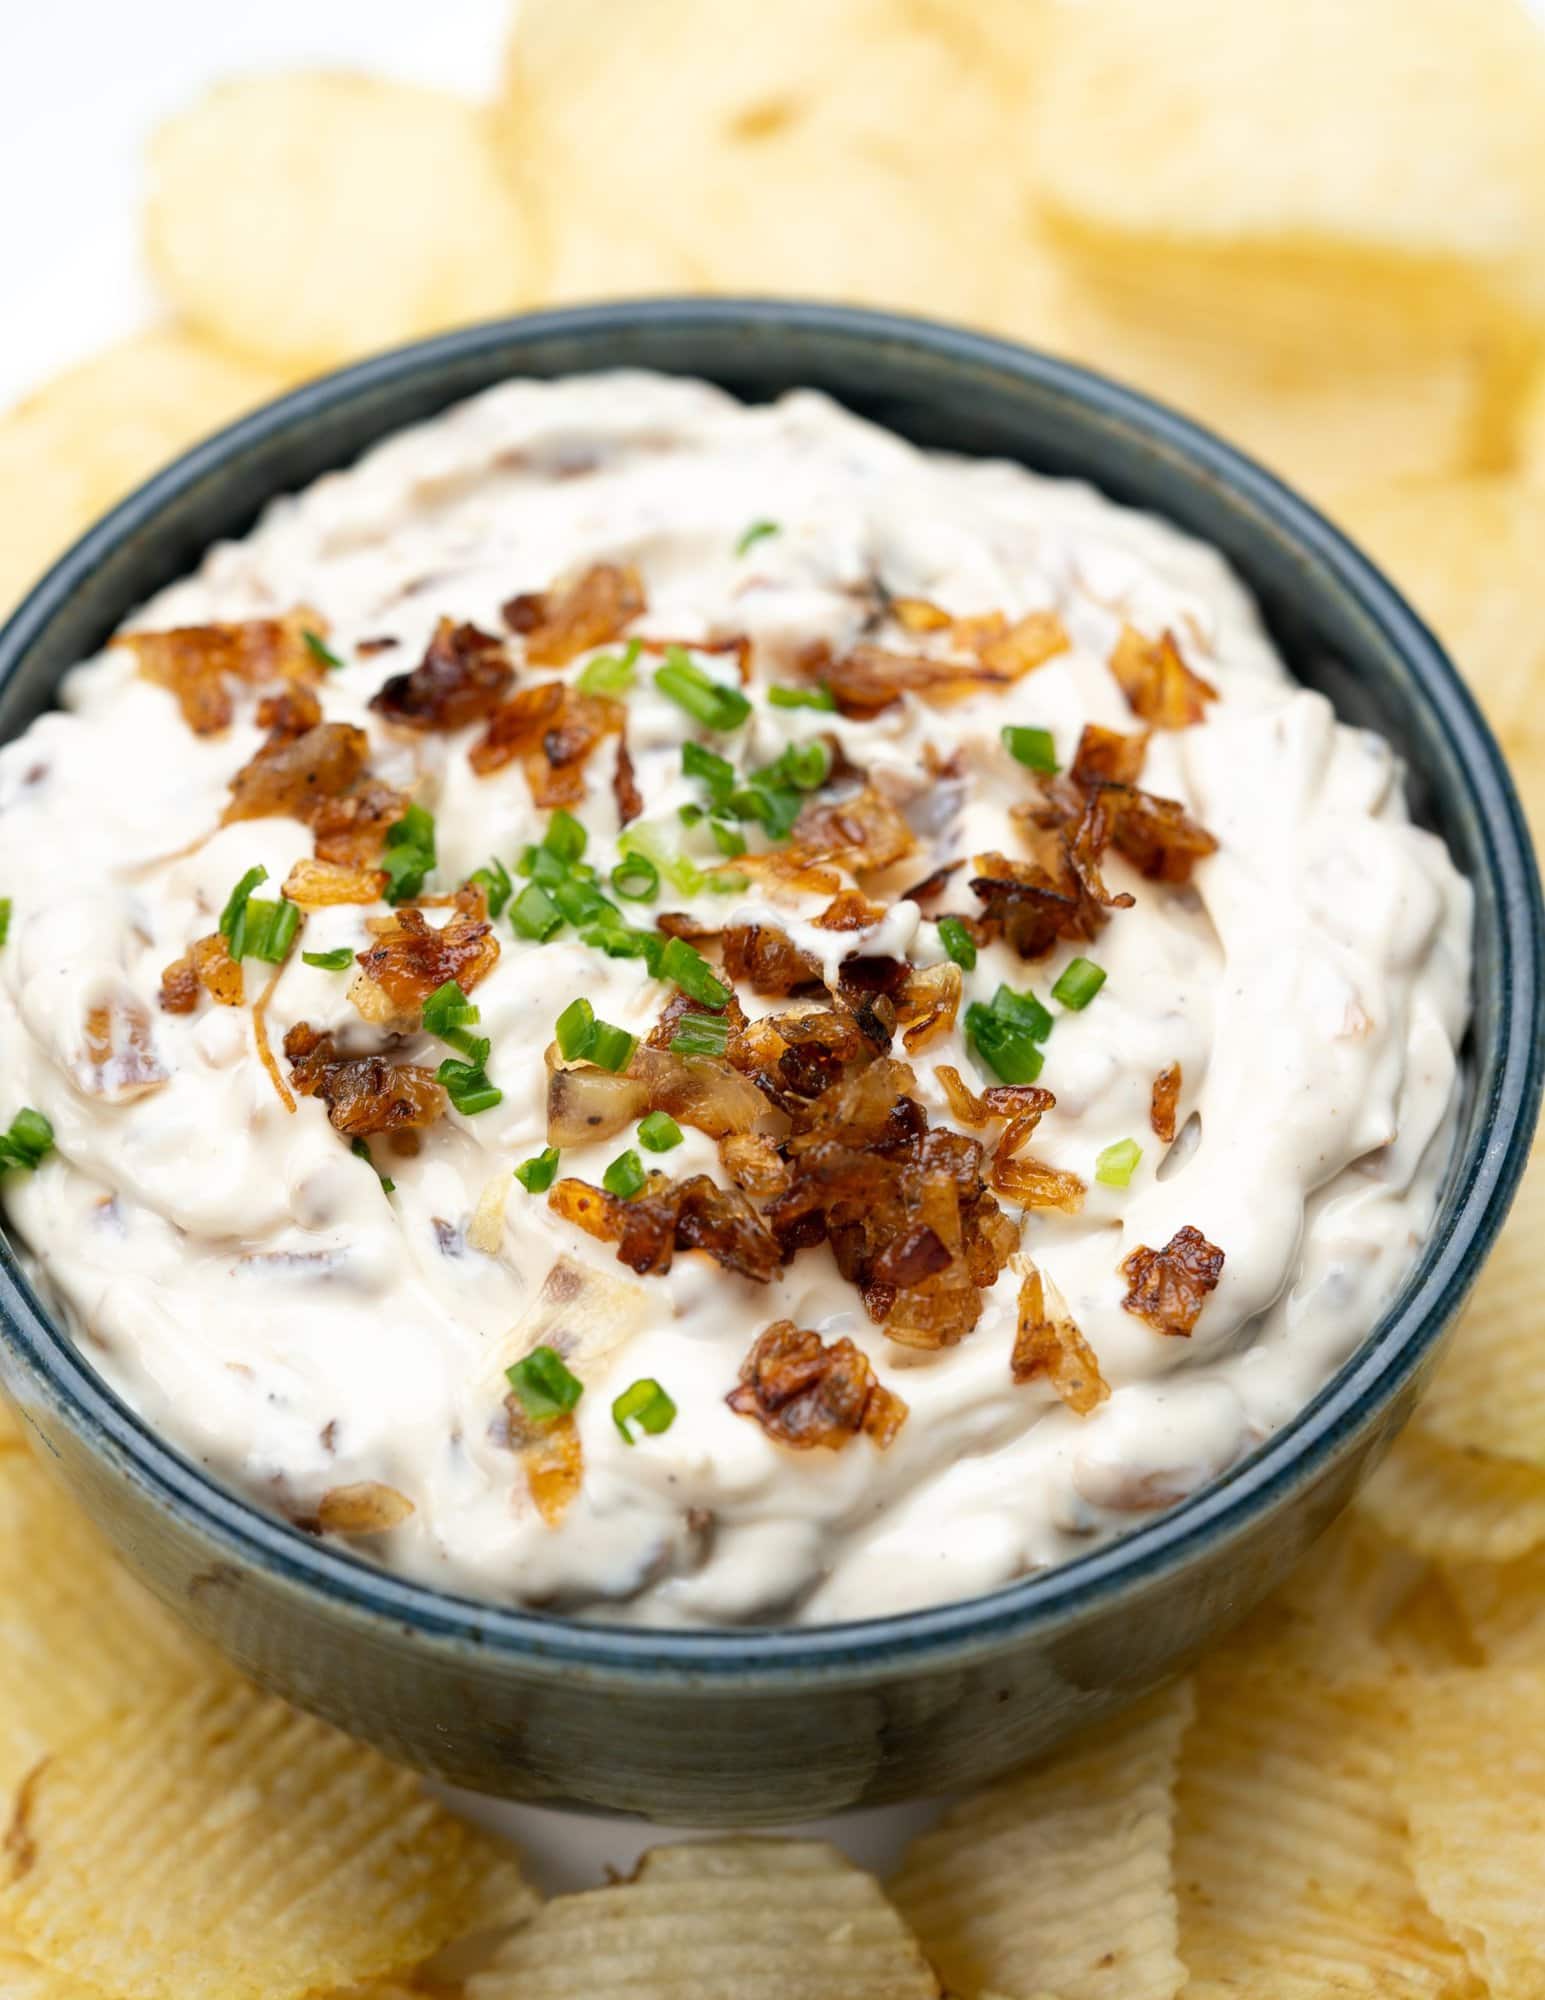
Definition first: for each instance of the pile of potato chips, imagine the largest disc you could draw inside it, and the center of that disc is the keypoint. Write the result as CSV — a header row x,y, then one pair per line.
x,y
1319,226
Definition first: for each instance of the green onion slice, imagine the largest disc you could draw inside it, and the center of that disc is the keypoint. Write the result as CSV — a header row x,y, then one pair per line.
x,y
233,918
757,532
1008,1049
609,674
5,918
646,1404
467,1084
1034,748
495,883
820,697
700,1035
713,703
625,1177
693,974
409,854
636,878
319,650
658,1132
537,1174
957,942
544,1385
1115,1166
534,914
1078,983
337,960
29,1140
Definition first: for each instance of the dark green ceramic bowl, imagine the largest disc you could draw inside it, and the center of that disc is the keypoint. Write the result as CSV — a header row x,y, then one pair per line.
x,y
739,1727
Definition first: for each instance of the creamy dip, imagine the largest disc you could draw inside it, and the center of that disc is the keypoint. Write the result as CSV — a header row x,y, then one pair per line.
x,y
244,1280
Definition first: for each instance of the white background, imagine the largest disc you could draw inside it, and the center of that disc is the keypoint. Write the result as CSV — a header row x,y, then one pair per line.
x,y
82,85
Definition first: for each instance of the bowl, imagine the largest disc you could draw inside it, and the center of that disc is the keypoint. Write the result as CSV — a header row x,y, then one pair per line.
x,y
748,1727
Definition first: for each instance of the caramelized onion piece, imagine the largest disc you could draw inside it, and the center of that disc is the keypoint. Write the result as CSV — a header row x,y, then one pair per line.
x,y
1033,1184
288,714
804,1393
291,777
691,1214
754,1163
553,1459
850,910
593,609
365,1508
363,1094
205,966
553,729
928,1003
586,1103
463,676
412,959
199,663
350,831
1047,1342
1106,757
1156,835
767,960
1156,681
319,885
628,798
868,678
180,986
1028,905
119,1061
697,1090
1169,1287
1165,1098
861,833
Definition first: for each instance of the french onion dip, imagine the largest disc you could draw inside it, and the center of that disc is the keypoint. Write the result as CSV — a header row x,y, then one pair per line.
x,y
688,1014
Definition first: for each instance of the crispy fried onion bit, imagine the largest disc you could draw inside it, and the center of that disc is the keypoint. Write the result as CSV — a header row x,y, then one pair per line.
x,y
1169,1287
412,958
1156,681
982,652
804,1393
205,967
1163,1102
318,772
463,676
590,610
1047,1342
553,729
200,664
363,1094
1060,892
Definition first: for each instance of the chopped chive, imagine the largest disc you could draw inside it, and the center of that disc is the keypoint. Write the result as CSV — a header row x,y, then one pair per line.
x,y
690,815
543,866
728,839
544,1385
625,1177
495,883
233,918
337,960
619,940
319,650
534,914
1031,747
658,1132
806,765
757,532
611,1048
448,1009
5,918
29,1140
581,901
636,878
565,836
716,772
537,1174
700,1035
1008,1049
1114,1167
409,854
706,700
820,697
361,1151
575,1030
646,1404
957,942
1078,983
467,1084
1024,1011
269,930
609,673
693,974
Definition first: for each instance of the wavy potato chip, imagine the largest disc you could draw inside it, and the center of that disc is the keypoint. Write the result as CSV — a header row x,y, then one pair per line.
x,y
1060,1878
1503,1605
80,1640
1290,1858
84,440
1455,1506
821,147
1335,1613
309,217
1470,1772
212,1844
719,1920
1301,121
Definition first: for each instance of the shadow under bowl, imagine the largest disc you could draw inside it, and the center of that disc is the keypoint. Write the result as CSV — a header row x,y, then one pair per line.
x,y
753,1727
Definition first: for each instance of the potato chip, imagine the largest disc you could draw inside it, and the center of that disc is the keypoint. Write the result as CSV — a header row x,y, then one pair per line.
x,y
80,1640
307,218
212,1844
1471,1776
822,147
1060,1877
1430,1633
719,1920
1455,1506
1334,1613
1289,1849
85,439
1466,552
1504,1608
1301,122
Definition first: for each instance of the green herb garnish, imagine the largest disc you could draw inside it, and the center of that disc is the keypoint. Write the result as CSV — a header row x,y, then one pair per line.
x,y
5,918
757,532
29,1140
535,915
610,674
233,918
337,960
1078,983
467,1085
495,883
958,942
1008,1033
537,1174
361,1151
693,974
713,703
1032,747
646,1404
658,1132
409,855
1114,1167
820,697
625,1177
319,650
700,1035
544,1385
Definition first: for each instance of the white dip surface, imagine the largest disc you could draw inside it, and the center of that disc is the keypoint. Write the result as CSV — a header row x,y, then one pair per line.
x,y
242,1280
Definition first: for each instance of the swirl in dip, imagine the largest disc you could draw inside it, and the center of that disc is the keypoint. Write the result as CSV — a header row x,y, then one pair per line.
x,y
825,1026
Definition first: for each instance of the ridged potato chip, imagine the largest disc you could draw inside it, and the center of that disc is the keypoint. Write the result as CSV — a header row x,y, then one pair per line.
x,y
212,1844
1060,1879
719,1920
1471,1776
1301,122
1455,1506
80,1640
307,218
1335,1612
818,147
1290,1857
1504,1607
91,435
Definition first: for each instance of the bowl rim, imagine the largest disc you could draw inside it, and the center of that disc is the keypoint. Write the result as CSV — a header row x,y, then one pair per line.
x,y
783,1658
